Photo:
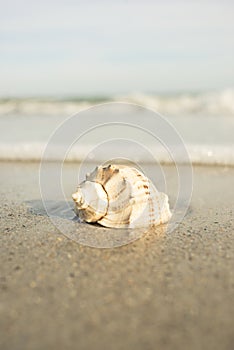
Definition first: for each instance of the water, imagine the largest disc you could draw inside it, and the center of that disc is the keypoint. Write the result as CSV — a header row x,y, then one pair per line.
x,y
204,121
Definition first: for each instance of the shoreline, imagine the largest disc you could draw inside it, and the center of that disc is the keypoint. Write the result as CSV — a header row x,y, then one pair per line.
x,y
76,162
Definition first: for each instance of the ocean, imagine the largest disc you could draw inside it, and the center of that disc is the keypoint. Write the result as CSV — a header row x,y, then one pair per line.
x,y
203,121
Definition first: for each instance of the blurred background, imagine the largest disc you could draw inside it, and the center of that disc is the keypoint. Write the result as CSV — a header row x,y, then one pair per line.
x,y
57,57
98,47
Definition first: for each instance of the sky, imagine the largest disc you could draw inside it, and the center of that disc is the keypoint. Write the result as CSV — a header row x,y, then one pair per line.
x,y
94,47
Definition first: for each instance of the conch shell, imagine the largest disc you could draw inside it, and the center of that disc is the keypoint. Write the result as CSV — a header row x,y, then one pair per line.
x,y
120,196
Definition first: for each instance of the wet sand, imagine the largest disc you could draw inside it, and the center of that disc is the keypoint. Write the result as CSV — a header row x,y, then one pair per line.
x,y
163,291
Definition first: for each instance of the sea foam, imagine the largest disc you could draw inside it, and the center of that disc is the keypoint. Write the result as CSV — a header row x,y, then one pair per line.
x,y
206,103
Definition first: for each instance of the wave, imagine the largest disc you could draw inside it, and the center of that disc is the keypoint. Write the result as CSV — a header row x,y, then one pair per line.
x,y
198,154
209,103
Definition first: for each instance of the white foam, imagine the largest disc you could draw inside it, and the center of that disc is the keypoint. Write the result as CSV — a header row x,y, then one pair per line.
x,y
198,154
40,107
209,103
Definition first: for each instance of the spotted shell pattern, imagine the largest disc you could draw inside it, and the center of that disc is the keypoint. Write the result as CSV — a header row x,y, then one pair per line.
x,y
120,196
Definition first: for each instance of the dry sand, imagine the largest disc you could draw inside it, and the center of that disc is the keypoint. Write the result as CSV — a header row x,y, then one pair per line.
x,y
164,291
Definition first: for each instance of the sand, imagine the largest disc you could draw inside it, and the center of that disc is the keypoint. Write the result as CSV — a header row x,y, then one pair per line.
x,y
163,291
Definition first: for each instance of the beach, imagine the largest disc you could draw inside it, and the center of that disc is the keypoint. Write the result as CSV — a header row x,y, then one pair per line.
x,y
148,85
163,291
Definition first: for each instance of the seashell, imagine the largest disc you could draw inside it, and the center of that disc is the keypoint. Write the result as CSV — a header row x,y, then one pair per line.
x,y
120,196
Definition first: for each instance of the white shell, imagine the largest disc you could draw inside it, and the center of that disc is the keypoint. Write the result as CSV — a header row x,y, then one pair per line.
x,y
120,196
